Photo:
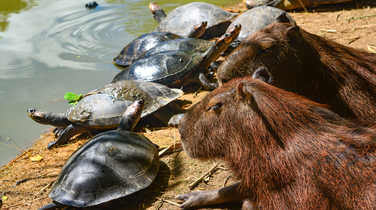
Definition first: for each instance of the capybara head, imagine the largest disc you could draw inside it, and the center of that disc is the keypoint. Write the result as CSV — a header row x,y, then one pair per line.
x,y
234,117
271,55
297,61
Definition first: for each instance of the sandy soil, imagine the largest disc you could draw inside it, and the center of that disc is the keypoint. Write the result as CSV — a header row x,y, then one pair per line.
x,y
26,184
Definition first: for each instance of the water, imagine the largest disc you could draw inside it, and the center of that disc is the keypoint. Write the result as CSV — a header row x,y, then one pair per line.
x,y
49,47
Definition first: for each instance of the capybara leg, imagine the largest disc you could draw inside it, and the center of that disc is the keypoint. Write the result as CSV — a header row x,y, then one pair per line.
x,y
248,205
204,198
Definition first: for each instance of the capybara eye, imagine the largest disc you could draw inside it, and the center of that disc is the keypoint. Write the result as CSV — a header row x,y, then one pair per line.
x,y
216,107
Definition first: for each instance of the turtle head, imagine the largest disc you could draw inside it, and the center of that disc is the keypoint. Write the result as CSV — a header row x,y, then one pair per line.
x,y
158,13
37,116
48,118
132,115
220,46
228,38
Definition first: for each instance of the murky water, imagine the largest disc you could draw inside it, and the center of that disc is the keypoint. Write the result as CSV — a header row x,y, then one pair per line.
x,y
49,47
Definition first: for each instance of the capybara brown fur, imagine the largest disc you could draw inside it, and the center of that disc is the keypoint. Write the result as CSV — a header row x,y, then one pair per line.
x,y
322,70
288,151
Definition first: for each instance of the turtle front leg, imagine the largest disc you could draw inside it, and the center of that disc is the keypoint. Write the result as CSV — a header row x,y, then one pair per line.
x,y
206,83
214,197
57,131
66,134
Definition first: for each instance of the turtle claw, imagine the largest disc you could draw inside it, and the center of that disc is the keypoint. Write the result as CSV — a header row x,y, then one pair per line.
x,y
51,144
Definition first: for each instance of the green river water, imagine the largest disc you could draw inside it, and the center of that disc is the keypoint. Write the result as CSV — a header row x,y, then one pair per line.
x,y
49,47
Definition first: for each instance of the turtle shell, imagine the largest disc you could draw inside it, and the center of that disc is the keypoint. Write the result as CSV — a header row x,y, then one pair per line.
x,y
170,68
184,44
182,19
104,107
140,45
112,165
258,18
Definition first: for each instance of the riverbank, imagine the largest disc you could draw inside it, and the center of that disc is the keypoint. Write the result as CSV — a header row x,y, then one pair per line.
x,y
26,183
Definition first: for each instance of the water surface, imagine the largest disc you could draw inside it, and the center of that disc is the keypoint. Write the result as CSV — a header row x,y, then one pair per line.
x,y
49,47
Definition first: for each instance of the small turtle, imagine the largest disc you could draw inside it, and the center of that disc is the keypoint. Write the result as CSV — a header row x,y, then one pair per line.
x,y
136,48
256,19
181,19
291,4
91,5
177,68
114,164
101,109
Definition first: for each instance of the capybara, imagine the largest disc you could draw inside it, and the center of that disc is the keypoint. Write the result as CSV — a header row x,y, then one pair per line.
x,y
288,151
322,70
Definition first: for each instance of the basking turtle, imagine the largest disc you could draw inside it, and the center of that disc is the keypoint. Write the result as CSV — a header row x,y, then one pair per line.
x,y
291,4
181,19
114,164
102,109
136,48
177,68
256,19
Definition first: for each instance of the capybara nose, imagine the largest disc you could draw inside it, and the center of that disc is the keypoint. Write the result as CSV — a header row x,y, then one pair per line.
x,y
31,110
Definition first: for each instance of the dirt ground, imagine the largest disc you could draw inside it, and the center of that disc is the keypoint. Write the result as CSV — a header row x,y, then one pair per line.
x,y
25,184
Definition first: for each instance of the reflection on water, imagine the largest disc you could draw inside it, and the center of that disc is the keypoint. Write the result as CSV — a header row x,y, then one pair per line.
x,y
13,6
49,47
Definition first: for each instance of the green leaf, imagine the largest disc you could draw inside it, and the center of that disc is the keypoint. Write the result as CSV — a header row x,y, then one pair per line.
x,y
72,98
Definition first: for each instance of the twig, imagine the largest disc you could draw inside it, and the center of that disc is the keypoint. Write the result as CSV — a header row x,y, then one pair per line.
x,y
38,193
170,202
171,149
360,17
329,30
302,4
353,39
45,187
226,180
371,48
37,177
209,173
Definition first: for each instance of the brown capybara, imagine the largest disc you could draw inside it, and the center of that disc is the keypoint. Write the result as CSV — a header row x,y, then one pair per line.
x,y
322,70
288,151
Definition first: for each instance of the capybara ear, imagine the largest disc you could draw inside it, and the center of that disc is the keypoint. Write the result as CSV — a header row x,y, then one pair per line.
x,y
285,18
243,91
293,31
266,42
262,73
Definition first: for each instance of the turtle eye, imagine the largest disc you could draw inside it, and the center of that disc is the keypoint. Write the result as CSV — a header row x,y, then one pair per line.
x,y
215,107
31,110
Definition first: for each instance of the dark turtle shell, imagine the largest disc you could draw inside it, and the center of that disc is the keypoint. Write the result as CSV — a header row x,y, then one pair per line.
x,y
170,68
187,62
258,18
140,45
183,44
103,108
112,165
181,20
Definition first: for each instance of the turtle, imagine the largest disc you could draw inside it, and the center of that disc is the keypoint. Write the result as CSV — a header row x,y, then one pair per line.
x,y
101,109
112,165
291,4
136,48
181,19
177,68
256,19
